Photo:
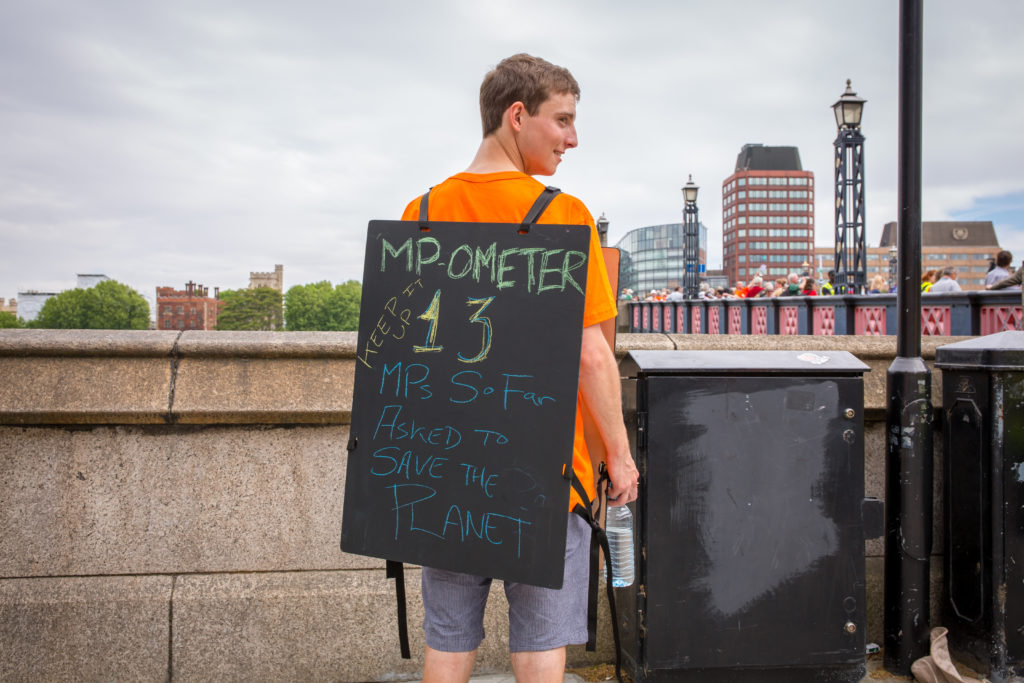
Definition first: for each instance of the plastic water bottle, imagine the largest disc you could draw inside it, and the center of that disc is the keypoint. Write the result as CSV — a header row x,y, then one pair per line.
x,y
618,524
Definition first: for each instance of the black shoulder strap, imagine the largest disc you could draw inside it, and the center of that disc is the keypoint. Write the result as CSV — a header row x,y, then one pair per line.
x,y
424,201
598,542
395,570
538,207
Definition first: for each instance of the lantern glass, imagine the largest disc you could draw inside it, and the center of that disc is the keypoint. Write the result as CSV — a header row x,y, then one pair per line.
x,y
690,191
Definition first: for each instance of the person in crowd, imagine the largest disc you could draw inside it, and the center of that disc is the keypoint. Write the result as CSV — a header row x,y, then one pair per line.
x,y
947,283
675,295
792,285
878,285
740,290
928,279
778,287
1001,269
807,287
829,287
755,288
1013,281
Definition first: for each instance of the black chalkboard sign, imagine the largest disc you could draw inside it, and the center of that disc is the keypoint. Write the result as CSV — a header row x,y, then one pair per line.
x,y
465,397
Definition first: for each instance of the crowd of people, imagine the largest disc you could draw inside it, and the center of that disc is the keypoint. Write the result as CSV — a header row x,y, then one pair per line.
x,y
794,284
932,281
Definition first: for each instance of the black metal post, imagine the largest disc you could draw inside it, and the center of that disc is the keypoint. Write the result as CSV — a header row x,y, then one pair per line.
x,y
909,469
851,247
691,238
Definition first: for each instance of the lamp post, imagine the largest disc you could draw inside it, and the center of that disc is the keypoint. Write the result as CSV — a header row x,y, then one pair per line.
x,y
691,241
851,248
908,419
893,261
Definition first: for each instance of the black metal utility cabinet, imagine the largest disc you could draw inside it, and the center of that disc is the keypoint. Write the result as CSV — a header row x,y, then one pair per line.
x,y
750,518
983,402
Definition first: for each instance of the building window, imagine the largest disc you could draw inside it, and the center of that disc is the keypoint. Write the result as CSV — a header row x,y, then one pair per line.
x,y
741,182
798,181
181,310
758,206
777,181
798,194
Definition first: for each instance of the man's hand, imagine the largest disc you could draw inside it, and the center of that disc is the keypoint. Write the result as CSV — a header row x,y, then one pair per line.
x,y
624,478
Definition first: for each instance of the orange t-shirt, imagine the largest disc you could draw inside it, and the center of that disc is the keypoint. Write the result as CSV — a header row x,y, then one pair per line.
x,y
505,198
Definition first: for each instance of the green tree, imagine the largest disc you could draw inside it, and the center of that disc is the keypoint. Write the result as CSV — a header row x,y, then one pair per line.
x,y
109,305
250,309
319,306
9,320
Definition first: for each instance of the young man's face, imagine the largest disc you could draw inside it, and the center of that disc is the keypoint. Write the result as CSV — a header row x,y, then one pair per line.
x,y
545,136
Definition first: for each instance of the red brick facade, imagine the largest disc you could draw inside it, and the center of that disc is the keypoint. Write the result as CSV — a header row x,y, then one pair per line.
x,y
191,309
768,218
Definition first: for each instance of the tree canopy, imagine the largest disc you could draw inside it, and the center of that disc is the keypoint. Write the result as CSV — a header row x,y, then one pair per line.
x,y
320,306
109,305
250,309
8,320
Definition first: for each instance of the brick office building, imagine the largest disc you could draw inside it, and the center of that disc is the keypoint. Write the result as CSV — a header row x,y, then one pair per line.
x,y
767,213
191,309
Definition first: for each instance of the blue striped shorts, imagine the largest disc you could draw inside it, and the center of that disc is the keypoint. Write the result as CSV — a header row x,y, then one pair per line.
x,y
538,618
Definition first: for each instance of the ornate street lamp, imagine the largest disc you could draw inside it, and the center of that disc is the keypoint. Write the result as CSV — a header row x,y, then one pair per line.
x,y
851,248
893,261
691,240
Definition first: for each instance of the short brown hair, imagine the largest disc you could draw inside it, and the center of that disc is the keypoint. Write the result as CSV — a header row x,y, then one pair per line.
x,y
521,78
1003,259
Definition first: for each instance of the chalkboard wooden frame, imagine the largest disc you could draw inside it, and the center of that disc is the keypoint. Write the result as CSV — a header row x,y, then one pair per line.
x,y
465,394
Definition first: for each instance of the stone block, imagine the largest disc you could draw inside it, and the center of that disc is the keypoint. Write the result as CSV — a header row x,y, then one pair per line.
x,y
172,499
85,629
263,390
82,390
85,376
338,626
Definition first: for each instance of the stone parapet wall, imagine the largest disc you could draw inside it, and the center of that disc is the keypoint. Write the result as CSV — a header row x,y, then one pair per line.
x,y
172,505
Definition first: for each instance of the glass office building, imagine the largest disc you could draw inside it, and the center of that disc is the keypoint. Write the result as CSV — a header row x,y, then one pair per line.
x,y
654,257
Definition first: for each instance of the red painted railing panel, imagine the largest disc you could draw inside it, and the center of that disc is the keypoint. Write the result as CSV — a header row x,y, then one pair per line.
x,y
935,320
869,321
789,320
1000,319
759,320
825,320
695,320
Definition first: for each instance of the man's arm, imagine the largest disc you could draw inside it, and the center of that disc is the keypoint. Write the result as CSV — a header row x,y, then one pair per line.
x,y
599,384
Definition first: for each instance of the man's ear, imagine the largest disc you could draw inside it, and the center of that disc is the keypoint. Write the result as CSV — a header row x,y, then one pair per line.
x,y
515,115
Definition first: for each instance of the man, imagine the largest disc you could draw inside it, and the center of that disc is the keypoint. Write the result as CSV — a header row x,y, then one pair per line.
x,y
1015,281
1001,270
947,283
528,109
829,288
676,295
792,285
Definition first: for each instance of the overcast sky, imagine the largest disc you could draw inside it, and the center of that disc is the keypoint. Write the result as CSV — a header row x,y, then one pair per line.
x,y
164,142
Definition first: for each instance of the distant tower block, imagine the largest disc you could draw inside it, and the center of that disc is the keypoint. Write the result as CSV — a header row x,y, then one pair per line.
x,y
273,280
